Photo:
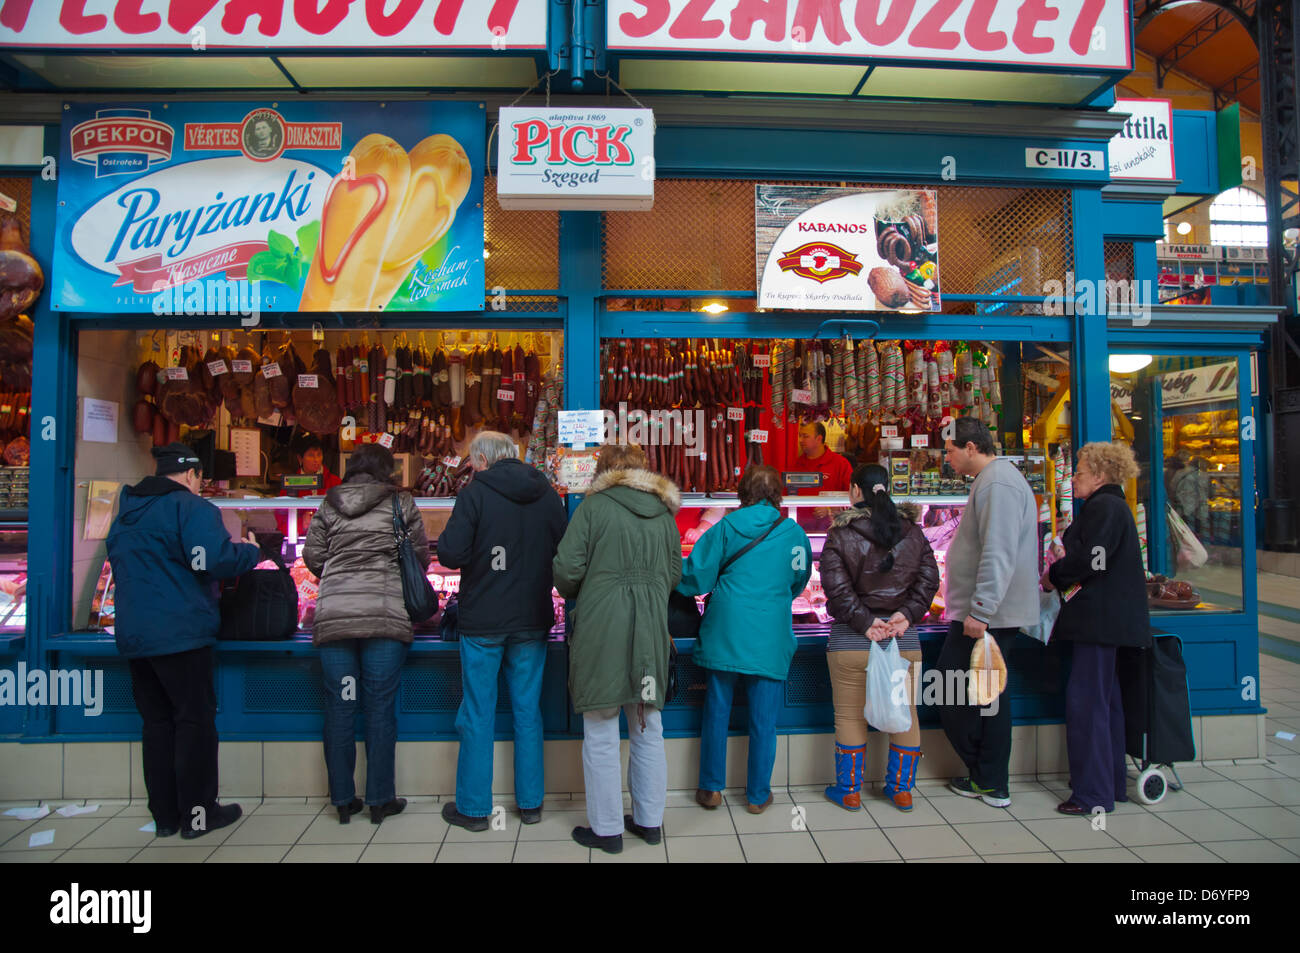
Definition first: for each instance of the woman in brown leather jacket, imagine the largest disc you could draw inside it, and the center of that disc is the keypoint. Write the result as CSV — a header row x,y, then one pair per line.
x,y
879,575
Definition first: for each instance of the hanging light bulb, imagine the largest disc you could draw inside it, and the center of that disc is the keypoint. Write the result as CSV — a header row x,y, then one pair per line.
x,y
1128,363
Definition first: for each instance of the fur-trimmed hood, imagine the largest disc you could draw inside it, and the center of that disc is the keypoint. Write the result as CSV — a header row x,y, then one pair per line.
x,y
907,510
653,491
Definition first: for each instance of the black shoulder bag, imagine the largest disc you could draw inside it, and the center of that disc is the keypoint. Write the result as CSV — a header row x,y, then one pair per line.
x,y
261,606
420,598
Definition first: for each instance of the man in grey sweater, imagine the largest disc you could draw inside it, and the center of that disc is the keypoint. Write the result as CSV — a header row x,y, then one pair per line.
x,y
991,581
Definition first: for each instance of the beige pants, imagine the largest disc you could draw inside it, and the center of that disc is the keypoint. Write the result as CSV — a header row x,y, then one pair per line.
x,y
849,693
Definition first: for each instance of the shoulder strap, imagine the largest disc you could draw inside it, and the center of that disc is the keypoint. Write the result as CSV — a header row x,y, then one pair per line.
x,y
750,545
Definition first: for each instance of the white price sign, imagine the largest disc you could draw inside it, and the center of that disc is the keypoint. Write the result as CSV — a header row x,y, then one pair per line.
x,y
507,395
920,440
242,367
308,380
386,441
270,370
801,396
217,368
889,430
176,374
756,436
735,413
581,427
762,360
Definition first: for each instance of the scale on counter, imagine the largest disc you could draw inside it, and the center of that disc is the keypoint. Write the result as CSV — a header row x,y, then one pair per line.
x,y
297,482
794,482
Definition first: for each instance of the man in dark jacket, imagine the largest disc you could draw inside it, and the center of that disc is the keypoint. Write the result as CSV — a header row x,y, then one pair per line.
x,y
168,548
502,535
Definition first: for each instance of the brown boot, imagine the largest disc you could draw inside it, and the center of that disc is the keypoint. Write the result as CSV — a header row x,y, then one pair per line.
x,y
708,799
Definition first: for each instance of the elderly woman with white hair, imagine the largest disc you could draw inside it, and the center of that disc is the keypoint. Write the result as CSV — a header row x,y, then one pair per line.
x,y
1102,583
502,535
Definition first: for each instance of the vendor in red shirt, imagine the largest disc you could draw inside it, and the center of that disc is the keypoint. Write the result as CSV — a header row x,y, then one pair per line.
x,y
816,458
311,459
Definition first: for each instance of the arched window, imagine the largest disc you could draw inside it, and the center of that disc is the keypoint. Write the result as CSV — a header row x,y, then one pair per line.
x,y
1238,217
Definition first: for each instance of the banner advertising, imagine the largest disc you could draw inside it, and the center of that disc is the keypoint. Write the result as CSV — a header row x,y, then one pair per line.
x,y
125,25
1144,148
1071,34
304,206
576,158
833,249
1199,385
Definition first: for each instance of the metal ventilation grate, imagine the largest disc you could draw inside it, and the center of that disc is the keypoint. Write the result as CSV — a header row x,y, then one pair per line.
x,y
288,686
435,687
809,682
523,248
700,237
118,697
1119,261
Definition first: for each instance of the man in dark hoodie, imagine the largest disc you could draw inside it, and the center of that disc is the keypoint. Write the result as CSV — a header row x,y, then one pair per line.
x,y
168,548
502,535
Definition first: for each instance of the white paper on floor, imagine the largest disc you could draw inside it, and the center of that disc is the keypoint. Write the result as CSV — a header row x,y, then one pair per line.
x,y
72,810
1286,735
40,839
149,828
28,813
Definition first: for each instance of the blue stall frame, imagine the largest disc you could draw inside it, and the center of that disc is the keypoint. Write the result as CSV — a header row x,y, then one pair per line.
x,y
1222,647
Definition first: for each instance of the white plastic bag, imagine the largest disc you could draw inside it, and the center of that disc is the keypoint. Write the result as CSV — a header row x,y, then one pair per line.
x,y
1190,551
1049,608
887,707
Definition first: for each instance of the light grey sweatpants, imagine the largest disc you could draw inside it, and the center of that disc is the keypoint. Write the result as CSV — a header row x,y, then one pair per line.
x,y
647,769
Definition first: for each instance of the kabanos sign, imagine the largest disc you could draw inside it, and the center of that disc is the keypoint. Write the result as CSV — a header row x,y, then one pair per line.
x,y
1061,34
576,158
263,24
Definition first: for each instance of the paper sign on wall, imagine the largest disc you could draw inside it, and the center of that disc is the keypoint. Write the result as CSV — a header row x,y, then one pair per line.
x,y
99,420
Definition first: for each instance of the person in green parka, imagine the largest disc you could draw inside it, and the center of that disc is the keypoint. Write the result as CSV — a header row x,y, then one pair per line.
x,y
755,561
620,558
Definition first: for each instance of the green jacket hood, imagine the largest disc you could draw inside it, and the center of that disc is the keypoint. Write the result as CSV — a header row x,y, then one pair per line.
x,y
641,492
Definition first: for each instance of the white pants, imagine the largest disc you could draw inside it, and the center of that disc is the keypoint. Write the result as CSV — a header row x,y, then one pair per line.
x,y
647,769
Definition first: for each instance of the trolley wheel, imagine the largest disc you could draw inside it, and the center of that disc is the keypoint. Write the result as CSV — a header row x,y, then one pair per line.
x,y
1151,786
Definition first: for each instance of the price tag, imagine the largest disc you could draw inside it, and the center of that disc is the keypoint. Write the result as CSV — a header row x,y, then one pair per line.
x,y
308,380
385,441
889,430
762,360
735,413
242,367
452,462
176,374
757,436
585,427
217,368
270,370
801,396
920,440
505,395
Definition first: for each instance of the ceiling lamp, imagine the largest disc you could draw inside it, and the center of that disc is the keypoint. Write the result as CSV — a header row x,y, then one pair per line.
x,y
1128,363
715,307
1184,228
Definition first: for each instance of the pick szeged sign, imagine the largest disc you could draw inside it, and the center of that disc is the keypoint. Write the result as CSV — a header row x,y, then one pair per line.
x,y
268,24
1060,34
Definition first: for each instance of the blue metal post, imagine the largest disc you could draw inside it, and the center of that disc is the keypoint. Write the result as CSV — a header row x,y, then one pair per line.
x,y
580,271
1090,377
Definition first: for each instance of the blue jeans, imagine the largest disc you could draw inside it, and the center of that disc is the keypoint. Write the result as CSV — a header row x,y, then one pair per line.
x,y
375,669
764,700
524,654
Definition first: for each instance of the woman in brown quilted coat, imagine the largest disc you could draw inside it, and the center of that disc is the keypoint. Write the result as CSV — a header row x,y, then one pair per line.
x,y
361,625
879,575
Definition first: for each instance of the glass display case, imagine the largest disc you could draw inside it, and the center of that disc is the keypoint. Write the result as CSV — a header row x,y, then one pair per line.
x,y
270,515
13,572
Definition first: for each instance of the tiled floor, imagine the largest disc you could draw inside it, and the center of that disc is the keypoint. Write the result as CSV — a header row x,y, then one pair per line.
x,y
1234,812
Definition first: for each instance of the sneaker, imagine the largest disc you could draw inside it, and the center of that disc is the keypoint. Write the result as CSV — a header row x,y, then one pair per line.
x,y
968,788
221,815
589,838
651,835
453,816
531,815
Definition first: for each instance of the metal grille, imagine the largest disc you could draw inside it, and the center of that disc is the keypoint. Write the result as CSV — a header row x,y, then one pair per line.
x,y
523,251
810,681
1119,261
435,686
289,686
118,698
700,237
691,684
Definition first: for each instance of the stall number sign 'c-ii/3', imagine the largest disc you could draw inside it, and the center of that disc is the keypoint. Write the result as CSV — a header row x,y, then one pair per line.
x,y
1047,158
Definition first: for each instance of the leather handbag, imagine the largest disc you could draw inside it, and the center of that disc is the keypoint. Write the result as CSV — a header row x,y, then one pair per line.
x,y
261,605
420,598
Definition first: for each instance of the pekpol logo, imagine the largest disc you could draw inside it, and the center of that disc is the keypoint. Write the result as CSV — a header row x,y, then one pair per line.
x,y
118,141
820,261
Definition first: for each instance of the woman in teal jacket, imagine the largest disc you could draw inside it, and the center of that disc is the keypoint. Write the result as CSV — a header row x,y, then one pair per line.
x,y
746,633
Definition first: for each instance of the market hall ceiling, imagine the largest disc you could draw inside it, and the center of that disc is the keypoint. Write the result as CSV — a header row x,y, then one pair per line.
x,y
1206,42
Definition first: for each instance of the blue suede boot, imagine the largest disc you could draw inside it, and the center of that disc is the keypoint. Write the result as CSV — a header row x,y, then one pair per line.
x,y
849,768
900,775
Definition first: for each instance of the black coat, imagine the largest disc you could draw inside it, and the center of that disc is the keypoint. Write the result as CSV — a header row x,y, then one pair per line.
x,y
1110,607
502,535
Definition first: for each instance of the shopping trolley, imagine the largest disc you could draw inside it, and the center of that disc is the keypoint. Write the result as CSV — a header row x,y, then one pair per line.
x,y
1157,713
